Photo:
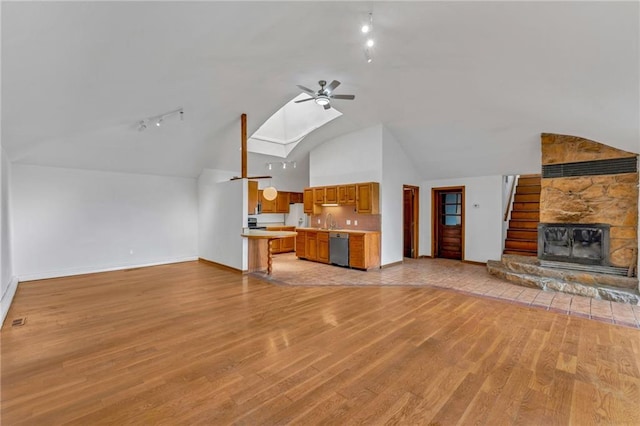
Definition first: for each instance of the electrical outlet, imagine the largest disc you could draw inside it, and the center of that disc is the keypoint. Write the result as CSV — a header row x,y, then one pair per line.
x,y
318,221
131,251
355,223
348,221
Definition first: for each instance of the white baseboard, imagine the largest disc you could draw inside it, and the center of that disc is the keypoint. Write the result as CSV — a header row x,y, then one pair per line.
x,y
90,270
7,298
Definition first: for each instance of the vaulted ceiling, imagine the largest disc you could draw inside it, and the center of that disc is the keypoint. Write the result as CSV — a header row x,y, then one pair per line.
x,y
465,87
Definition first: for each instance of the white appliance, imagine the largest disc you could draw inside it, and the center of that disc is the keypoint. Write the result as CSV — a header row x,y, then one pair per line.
x,y
296,216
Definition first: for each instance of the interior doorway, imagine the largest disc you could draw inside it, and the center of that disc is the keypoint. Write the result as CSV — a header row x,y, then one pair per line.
x,y
410,215
448,222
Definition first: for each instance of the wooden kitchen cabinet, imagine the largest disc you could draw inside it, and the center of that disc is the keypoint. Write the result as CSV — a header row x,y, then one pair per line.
x,y
279,205
323,247
311,245
318,195
347,194
282,245
253,196
310,207
282,202
368,198
300,243
331,195
364,250
296,197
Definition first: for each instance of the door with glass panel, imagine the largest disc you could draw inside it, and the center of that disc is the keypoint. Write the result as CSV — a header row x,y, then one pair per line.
x,y
449,222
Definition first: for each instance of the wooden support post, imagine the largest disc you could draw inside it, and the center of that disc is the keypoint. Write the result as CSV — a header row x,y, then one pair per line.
x,y
243,136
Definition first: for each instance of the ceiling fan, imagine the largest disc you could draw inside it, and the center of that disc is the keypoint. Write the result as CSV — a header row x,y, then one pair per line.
x,y
325,94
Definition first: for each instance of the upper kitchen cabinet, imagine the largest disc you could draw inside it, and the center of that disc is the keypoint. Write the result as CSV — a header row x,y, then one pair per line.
x,y
296,197
318,195
307,198
282,202
368,198
347,194
331,195
279,205
253,196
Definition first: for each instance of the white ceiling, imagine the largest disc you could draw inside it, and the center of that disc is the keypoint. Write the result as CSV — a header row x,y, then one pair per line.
x,y
465,87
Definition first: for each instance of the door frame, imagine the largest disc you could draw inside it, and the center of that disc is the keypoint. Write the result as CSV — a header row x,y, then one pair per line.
x,y
435,192
415,229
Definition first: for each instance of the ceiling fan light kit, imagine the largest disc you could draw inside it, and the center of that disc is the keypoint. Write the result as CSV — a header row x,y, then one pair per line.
x,y
323,96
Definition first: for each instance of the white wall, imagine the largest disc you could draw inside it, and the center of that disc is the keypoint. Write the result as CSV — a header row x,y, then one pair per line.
x,y
222,213
69,221
351,158
8,282
397,170
483,224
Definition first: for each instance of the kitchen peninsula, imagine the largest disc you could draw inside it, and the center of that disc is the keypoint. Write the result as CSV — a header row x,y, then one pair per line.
x,y
260,248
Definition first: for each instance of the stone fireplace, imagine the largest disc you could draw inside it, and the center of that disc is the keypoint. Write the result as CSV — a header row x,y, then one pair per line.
x,y
588,230
588,186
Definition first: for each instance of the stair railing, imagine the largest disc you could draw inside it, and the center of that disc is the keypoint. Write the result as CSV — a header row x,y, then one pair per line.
x,y
507,208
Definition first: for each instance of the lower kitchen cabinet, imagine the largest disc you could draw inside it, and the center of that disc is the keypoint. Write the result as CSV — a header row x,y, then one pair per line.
x,y
282,245
323,247
364,250
300,244
311,245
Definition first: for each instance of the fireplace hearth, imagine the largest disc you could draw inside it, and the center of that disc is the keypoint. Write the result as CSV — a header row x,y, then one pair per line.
x,y
586,244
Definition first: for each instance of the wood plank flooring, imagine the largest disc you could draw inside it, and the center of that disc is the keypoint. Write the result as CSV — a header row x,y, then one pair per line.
x,y
191,343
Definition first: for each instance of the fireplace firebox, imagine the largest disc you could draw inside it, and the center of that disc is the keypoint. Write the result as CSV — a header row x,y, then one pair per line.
x,y
574,243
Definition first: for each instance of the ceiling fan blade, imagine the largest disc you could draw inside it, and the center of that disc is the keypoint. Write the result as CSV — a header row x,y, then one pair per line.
x,y
303,100
331,87
350,97
306,89
327,106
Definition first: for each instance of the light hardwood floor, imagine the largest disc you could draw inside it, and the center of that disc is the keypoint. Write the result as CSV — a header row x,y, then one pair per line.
x,y
191,343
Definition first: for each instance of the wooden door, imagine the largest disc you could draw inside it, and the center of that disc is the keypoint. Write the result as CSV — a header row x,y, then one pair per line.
x,y
410,221
300,244
449,223
351,194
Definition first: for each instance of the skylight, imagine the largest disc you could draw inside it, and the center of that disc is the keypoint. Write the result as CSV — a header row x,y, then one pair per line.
x,y
288,126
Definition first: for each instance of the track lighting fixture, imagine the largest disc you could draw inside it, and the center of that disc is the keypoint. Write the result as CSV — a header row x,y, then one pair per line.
x,y
284,165
367,29
158,120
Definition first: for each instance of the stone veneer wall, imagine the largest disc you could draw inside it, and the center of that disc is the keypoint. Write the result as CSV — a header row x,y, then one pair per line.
x,y
611,199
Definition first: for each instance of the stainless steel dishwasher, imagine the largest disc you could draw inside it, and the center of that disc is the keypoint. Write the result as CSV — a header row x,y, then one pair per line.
x,y
339,248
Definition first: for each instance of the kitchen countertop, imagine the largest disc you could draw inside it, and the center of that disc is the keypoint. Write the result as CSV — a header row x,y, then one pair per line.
x,y
348,231
261,233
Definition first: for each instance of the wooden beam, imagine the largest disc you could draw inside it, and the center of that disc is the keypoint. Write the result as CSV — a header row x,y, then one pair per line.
x,y
243,137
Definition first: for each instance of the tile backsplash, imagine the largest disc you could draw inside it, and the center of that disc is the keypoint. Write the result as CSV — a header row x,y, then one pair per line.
x,y
366,222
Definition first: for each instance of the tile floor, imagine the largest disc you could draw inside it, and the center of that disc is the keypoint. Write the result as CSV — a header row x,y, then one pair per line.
x,y
454,275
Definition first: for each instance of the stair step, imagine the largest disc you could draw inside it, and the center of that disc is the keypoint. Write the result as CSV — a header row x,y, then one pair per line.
x,y
525,215
521,252
534,189
529,181
527,206
523,224
528,235
535,175
521,245
521,198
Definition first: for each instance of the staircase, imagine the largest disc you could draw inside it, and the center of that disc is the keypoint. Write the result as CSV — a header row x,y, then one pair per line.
x,y
522,235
